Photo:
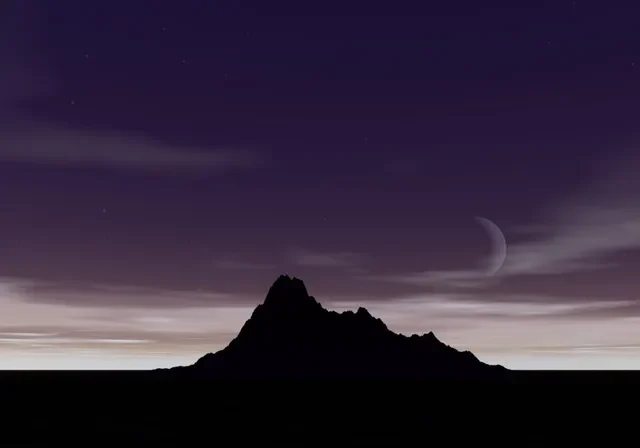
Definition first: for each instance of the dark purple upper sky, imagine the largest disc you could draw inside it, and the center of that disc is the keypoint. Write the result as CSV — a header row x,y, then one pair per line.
x,y
204,147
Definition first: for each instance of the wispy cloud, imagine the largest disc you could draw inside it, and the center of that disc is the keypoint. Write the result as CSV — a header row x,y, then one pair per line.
x,y
25,78
582,231
432,306
242,266
114,296
85,332
577,234
47,146
456,279
58,340
529,332
351,261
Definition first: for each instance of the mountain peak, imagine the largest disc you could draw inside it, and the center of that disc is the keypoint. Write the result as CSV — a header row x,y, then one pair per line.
x,y
289,293
285,286
290,335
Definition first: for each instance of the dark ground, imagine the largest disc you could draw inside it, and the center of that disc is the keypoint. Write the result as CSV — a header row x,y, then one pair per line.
x,y
29,378
132,407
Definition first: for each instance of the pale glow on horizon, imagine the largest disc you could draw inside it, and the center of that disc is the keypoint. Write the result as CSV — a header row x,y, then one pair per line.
x,y
516,335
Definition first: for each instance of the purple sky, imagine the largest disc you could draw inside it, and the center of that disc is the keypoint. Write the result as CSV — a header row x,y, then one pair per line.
x,y
160,166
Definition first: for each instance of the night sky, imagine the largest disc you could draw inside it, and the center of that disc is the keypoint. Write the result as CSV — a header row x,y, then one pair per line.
x,y
161,163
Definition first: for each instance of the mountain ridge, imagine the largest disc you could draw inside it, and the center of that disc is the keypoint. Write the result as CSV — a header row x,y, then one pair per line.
x,y
291,335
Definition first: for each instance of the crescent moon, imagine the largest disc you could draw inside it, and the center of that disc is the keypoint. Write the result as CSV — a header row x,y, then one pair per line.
x,y
499,243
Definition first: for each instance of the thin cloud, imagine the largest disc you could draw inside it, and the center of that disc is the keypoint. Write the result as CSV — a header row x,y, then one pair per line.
x,y
26,78
242,266
63,341
577,234
112,296
351,261
431,306
456,279
584,230
47,146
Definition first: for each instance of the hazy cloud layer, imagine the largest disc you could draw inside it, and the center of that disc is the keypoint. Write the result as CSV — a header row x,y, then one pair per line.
x,y
84,334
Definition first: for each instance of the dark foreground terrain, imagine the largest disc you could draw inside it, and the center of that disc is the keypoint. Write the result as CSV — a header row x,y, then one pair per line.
x,y
547,408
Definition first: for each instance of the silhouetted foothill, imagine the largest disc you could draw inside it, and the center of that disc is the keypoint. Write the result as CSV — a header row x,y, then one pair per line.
x,y
292,336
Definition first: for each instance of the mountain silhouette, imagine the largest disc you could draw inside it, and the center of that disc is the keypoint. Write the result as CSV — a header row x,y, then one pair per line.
x,y
291,336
